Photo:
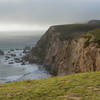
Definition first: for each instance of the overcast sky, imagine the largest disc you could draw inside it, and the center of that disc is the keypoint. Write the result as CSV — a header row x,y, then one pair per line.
x,y
40,14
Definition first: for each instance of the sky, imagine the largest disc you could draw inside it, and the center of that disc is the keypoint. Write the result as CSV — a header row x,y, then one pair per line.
x,y
38,15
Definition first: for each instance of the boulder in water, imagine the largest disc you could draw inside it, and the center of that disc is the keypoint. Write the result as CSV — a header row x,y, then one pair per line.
x,y
27,49
23,63
11,49
8,52
17,60
1,52
7,57
11,62
13,55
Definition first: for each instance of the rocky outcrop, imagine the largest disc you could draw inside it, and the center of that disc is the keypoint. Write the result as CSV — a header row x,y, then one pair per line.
x,y
1,52
26,49
68,49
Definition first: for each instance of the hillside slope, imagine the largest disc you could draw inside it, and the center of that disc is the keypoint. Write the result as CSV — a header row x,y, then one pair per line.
x,y
67,49
84,86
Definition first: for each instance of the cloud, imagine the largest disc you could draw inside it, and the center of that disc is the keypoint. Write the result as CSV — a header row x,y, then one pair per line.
x,y
12,1
48,12
21,27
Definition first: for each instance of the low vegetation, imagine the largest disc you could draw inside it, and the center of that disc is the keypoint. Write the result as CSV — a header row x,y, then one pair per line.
x,y
92,36
74,30
84,86
96,34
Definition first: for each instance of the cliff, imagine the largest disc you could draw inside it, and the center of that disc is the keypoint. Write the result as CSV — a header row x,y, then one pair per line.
x,y
67,49
94,22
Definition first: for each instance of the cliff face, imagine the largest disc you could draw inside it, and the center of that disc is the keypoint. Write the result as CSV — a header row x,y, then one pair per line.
x,y
68,49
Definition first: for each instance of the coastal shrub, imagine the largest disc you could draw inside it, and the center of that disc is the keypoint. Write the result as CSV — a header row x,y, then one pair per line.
x,y
86,44
88,37
95,35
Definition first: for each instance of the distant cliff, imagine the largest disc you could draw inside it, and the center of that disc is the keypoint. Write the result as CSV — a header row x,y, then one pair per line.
x,y
94,22
67,49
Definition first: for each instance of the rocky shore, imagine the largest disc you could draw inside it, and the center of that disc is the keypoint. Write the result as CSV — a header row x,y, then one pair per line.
x,y
12,56
13,67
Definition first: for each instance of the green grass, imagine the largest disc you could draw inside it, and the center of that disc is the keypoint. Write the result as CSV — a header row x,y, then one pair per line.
x,y
74,30
85,86
96,34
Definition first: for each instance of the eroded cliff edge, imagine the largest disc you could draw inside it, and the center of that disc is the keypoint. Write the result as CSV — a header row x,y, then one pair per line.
x,y
67,49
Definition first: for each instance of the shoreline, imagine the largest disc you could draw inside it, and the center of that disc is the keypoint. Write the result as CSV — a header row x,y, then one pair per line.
x,y
20,70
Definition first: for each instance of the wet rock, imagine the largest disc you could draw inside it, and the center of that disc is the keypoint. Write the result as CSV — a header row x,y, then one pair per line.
x,y
7,57
13,55
25,58
9,52
20,54
11,62
27,49
17,49
21,60
1,52
23,63
11,49
17,60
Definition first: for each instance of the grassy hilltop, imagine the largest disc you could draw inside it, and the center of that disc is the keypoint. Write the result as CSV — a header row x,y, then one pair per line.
x,y
84,86
74,30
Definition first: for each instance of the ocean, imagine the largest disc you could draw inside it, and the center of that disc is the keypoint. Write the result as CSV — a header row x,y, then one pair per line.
x,y
18,41
12,70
